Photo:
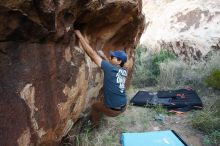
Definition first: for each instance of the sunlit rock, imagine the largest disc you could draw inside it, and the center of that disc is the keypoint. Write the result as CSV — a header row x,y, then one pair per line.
x,y
189,28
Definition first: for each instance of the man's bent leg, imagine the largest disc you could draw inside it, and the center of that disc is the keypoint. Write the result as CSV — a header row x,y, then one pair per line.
x,y
96,113
98,108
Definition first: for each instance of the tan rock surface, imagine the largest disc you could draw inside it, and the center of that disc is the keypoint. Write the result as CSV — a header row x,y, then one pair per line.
x,y
189,28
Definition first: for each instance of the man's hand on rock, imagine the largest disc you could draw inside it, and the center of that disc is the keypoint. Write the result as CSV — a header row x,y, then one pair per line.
x,y
78,33
130,19
127,19
100,52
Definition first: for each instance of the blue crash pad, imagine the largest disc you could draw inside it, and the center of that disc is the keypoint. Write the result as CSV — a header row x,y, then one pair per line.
x,y
156,138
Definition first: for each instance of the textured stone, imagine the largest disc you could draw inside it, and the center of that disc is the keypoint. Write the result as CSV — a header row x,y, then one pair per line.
x,y
47,81
189,28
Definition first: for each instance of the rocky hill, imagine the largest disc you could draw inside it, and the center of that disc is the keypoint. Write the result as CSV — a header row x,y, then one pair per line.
x,y
189,28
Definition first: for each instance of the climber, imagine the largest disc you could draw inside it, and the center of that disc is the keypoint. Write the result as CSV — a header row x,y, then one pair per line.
x,y
114,82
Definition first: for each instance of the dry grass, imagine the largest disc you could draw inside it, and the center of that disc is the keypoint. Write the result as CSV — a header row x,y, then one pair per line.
x,y
108,134
173,74
142,119
134,119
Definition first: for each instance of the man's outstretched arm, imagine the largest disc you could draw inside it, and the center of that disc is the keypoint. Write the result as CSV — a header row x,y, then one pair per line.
x,y
88,49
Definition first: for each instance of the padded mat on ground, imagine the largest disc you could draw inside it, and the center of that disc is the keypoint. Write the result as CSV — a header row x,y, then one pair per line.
x,y
181,100
155,138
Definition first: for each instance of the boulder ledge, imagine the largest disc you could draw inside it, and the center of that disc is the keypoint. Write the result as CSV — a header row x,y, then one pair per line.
x,y
47,80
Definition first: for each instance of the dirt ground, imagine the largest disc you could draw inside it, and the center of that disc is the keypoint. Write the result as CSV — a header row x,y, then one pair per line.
x,y
181,124
143,119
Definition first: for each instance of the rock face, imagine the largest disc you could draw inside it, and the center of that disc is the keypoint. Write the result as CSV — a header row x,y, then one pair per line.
x,y
46,79
189,28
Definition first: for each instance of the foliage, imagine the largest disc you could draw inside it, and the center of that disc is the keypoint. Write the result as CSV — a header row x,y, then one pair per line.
x,y
142,76
147,66
179,73
158,58
215,137
207,121
211,63
213,80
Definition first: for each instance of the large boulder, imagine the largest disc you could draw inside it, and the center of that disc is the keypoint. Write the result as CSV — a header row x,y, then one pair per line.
x,y
46,79
189,28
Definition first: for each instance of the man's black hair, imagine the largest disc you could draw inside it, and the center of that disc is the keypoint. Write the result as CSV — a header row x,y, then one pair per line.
x,y
122,63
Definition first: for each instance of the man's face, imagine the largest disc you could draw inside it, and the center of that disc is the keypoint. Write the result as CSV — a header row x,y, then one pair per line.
x,y
115,61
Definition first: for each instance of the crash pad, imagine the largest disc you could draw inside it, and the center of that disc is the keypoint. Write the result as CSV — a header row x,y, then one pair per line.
x,y
155,138
181,99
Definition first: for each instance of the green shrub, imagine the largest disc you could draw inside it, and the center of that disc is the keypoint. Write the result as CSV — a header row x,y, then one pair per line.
x,y
213,80
142,76
146,67
165,70
158,58
216,106
207,120
213,139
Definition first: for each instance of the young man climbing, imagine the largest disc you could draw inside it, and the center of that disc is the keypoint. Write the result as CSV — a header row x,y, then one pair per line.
x,y
114,82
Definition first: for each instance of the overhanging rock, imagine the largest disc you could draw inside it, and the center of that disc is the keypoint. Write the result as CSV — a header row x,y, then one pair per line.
x,y
47,80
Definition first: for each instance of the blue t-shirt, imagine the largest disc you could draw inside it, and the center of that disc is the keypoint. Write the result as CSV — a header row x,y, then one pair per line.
x,y
114,85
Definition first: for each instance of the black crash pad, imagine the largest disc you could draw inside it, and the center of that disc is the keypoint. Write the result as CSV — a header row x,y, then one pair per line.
x,y
180,100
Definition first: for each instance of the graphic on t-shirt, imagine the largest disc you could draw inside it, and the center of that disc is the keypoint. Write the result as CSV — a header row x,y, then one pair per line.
x,y
121,78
